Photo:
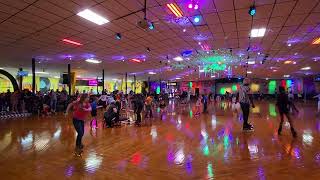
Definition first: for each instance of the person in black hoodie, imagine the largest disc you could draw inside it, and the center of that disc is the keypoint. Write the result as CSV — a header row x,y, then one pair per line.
x,y
283,104
138,106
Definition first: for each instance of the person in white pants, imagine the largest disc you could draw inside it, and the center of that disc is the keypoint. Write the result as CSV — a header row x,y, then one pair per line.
x,y
318,96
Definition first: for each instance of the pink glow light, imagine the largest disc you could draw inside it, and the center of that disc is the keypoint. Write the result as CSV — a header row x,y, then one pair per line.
x,y
71,42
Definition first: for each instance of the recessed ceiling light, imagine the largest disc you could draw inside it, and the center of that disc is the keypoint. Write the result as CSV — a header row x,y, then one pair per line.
x,y
306,68
249,72
94,61
152,72
213,76
178,78
288,62
274,70
184,30
316,41
251,62
289,44
286,76
93,17
258,32
56,77
71,42
294,62
178,58
295,53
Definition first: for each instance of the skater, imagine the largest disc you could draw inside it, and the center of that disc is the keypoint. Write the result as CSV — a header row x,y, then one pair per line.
x,y
318,96
162,106
245,100
138,106
283,107
205,103
94,122
81,107
110,115
198,104
148,104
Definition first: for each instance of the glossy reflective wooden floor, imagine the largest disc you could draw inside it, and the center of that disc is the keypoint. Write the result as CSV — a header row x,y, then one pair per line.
x,y
181,146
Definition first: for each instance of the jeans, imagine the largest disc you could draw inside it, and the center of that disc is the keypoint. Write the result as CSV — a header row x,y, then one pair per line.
x,y
148,111
79,126
245,107
53,105
205,107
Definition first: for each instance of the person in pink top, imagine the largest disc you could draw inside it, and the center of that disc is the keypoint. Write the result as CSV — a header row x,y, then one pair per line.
x,y
81,108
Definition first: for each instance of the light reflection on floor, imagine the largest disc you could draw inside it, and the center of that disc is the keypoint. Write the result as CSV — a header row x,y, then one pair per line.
x,y
181,146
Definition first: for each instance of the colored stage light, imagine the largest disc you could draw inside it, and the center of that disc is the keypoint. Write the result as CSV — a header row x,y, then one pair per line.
x,y
174,8
316,41
71,42
151,26
94,61
93,17
190,5
196,6
118,36
136,60
196,19
252,11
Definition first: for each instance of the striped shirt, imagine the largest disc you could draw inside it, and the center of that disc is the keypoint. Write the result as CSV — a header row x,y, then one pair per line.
x,y
243,94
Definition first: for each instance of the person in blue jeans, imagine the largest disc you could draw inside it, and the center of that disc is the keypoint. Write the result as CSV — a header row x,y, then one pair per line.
x,y
81,108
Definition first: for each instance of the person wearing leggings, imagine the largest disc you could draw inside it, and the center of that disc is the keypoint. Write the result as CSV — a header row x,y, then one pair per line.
x,y
283,104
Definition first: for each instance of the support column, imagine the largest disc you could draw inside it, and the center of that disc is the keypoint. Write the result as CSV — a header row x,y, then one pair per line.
x,y
20,80
126,79
97,84
149,85
69,79
102,81
135,83
33,75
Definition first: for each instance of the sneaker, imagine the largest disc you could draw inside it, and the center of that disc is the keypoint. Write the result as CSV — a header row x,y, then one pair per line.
x,y
248,129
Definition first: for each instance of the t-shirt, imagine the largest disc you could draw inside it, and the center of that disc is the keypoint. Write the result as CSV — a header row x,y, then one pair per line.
x,y
283,102
78,112
94,105
148,100
243,94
